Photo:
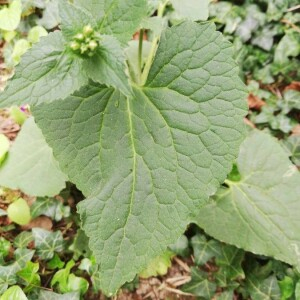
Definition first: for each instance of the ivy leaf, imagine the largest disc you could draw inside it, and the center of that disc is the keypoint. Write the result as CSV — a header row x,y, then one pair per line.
x,y
50,207
8,273
264,200
263,289
47,243
195,10
50,18
14,292
29,275
199,285
204,250
23,239
292,145
108,66
10,16
47,295
30,162
46,73
145,154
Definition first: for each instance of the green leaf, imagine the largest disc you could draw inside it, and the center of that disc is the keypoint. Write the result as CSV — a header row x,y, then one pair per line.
x,y
122,18
50,18
61,277
47,243
77,284
286,288
73,19
195,10
204,250
158,266
4,247
10,16
8,273
23,239
55,263
199,285
35,34
20,48
108,66
181,246
17,115
29,275
14,292
47,295
50,207
263,289
45,74
4,147
19,212
260,212
145,154
30,162
229,262
292,145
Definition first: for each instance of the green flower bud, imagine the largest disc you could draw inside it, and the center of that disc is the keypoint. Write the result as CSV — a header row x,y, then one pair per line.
x,y
87,30
79,37
93,45
83,48
74,46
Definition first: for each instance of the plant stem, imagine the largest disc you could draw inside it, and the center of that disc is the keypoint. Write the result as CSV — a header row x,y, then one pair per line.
x,y
140,55
160,13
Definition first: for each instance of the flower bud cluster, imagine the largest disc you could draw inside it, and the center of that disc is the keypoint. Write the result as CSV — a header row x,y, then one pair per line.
x,y
85,43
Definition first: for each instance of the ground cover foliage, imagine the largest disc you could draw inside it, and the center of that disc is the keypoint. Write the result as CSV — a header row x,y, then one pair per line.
x,y
150,170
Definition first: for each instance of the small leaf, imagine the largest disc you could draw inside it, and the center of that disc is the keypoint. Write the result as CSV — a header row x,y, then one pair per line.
x,y
158,266
50,18
73,19
14,292
263,289
29,276
199,285
47,295
265,202
23,239
77,284
181,247
195,10
19,212
4,147
60,278
4,247
35,34
17,115
20,48
286,288
30,165
10,16
204,250
47,243
50,207
45,74
55,263
108,66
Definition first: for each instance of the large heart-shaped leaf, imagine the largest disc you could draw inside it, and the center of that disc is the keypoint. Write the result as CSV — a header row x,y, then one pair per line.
x,y
148,162
259,213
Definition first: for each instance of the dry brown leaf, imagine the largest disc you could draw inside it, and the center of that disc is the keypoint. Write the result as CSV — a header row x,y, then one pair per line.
x,y
40,222
295,85
255,102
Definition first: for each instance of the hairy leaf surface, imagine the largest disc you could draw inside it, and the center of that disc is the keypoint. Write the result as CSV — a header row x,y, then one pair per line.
x,y
259,213
30,165
148,162
45,74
